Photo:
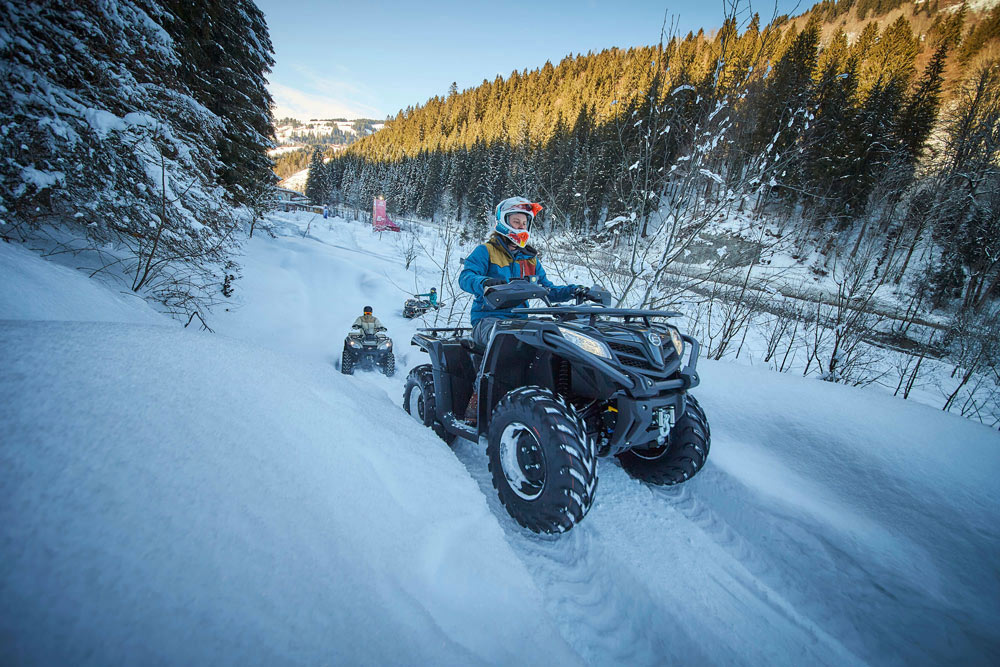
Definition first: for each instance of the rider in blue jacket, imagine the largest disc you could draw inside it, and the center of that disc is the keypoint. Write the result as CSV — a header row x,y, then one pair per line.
x,y
504,256
432,297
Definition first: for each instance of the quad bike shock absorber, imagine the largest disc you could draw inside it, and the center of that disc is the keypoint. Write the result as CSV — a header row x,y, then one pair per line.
x,y
562,378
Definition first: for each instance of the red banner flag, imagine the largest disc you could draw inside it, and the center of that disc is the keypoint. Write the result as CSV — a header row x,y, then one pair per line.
x,y
379,217
381,221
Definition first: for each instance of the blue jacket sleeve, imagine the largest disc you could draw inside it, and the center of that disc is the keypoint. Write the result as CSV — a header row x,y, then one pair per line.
x,y
556,293
475,271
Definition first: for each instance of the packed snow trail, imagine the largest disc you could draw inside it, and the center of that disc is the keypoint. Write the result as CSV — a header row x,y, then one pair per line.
x,y
831,525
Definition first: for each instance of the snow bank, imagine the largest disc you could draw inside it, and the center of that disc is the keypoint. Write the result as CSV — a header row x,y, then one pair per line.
x,y
172,495
178,497
35,289
881,514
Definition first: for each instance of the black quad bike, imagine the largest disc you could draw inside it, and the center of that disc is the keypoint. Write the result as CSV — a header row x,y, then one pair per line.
x,y
558,389
414,307
368,351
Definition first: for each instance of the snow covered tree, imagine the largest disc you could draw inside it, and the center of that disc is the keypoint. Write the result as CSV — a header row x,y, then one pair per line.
x,y
107,136
225,53
967,204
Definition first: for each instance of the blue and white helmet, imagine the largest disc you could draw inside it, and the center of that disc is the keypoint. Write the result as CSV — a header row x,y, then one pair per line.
x,y
515,205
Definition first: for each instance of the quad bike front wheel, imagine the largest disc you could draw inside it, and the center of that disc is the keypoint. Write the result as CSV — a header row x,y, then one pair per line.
x,y
680,458
419,401
347,362
389,365
544,465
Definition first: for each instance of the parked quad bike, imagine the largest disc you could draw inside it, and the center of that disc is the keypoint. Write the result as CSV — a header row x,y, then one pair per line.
x,y
560,388
368,351
414,307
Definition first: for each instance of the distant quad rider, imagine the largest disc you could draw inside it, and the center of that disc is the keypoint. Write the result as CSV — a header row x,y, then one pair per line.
x,y
432,297
368,323
505,256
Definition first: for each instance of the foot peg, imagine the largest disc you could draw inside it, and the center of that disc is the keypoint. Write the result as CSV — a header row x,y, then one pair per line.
x,y
472,410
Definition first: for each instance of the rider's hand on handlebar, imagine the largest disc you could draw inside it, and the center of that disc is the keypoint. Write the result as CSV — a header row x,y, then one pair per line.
x,y
581,293
490,282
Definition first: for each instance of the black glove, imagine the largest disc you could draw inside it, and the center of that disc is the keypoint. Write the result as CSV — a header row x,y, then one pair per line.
x,y
355,326
381,329
582,292
490,282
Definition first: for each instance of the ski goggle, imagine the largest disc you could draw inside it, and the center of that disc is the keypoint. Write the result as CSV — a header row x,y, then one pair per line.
x,y
531,209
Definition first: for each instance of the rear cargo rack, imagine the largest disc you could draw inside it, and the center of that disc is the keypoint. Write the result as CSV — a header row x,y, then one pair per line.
x,y
456,332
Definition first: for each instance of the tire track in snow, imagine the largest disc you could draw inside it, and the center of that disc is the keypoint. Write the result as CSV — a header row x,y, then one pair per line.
x,y
831,586
687,554
601,609
644,581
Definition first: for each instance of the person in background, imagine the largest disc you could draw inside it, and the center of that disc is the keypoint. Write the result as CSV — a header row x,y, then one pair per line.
x,y
368,323
432,296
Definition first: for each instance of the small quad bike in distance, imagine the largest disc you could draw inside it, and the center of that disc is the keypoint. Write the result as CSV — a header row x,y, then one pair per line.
x,y
414,307
368,351
556,390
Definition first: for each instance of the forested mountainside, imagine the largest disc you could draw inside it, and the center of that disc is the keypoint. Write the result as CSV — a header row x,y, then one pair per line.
x,y
856,123
134,129
298,140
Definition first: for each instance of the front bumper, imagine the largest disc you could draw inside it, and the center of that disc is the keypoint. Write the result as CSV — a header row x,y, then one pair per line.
x,y
643,403
645,410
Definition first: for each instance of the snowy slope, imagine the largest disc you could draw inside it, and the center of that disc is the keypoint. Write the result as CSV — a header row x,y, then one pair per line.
x,y
189,498
296,181
236,491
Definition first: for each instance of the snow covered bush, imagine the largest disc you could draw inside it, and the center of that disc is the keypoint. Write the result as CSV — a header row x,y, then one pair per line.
x,y
112,140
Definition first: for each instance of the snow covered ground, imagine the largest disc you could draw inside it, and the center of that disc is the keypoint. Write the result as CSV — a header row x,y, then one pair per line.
x,y
176,496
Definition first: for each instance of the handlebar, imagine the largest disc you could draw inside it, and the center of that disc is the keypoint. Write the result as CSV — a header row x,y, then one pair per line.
x,y
519,290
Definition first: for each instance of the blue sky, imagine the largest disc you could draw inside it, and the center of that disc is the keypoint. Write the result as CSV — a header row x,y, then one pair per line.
x,y
371,59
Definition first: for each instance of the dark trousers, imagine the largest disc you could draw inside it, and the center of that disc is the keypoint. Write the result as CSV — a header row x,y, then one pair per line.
x,y
483,330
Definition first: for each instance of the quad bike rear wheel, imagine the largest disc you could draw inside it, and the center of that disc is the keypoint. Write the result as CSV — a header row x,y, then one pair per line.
x,y
680,458
419,401
544,465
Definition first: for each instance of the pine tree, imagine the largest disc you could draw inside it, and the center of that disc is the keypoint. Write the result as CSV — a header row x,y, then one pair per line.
x,y
315,182
918,115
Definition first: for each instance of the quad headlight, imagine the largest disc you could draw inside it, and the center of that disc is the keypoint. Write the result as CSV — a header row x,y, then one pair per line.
x,y
675,338
385,344
353,342
586,343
